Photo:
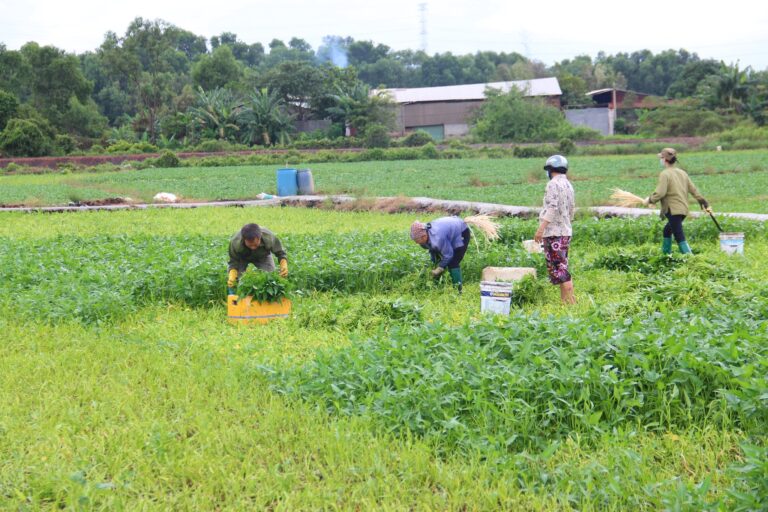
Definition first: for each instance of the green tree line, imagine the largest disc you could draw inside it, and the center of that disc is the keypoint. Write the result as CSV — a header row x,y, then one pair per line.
x,y
166,86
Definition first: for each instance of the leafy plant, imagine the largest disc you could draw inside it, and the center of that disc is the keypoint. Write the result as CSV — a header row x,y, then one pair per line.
x,y
528,290
263,286
522,383
750,491
22,137
645,261
417,138
376,136
167,160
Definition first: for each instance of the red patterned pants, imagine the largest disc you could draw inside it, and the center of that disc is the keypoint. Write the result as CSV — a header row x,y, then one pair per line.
x,y
556,254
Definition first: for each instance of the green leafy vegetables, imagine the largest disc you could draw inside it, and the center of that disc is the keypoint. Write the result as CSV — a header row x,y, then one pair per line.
x,y
263,286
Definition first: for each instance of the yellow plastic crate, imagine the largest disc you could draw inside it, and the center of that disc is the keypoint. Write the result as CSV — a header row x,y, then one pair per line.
x,y
246,311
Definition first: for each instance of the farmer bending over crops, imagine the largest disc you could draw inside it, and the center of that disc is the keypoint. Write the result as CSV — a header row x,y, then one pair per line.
x,y
254,244
555,225
446,239
672,190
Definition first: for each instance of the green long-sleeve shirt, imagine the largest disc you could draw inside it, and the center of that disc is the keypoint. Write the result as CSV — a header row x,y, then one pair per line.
x,y
240,255
672,190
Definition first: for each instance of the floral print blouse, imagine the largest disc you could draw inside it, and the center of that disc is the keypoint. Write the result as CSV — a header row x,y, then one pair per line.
x,y
559,207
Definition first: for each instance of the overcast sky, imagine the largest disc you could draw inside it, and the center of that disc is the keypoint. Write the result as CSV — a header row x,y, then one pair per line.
x,y
548,31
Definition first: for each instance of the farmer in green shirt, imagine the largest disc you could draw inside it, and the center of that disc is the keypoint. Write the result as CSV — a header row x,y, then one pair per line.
x,y
254,244
672,190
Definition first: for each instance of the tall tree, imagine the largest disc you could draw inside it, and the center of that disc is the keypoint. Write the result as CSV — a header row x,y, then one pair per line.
x,y
691,76
14,72
297,83
649,73
149,64
219,69
249,54
388,72
55,78
442,69
297,51
366,52
9,105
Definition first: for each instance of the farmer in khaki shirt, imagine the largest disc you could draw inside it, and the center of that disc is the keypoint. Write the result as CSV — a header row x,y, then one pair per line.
x,y
672,190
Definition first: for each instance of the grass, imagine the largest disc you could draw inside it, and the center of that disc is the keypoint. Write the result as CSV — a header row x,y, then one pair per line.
x,y
161,412
169,407
731,181
221,222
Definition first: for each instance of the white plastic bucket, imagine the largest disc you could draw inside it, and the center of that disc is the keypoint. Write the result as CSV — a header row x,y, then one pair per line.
x,y
495,297
732,243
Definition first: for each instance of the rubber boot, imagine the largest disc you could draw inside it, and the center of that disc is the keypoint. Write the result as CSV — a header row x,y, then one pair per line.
x,y
456,277
684,247
666,245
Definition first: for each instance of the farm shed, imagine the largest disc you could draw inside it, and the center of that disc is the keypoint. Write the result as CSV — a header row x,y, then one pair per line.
x,y
623,98
445,111
601,116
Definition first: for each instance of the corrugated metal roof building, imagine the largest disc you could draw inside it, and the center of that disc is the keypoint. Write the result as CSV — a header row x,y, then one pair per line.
x,y
445,111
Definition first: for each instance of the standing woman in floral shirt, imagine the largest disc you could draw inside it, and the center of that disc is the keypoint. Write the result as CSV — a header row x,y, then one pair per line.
x,y
555,225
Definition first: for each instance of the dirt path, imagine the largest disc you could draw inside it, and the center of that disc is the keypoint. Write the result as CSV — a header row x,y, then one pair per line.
x,y
383,204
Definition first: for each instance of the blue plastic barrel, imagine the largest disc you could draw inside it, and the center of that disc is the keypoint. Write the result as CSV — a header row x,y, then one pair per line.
x,y
286,182
305,182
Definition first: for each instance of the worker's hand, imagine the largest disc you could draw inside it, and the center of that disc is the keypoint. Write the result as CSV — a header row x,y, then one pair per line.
x,y
647,201
704,204
232,278
283,268
708,209
437,272
539,236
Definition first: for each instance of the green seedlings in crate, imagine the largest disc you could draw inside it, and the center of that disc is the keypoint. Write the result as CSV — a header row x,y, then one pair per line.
x,y
263,286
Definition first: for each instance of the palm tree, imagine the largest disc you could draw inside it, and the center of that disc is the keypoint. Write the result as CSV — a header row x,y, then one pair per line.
x,y
733,85
357,107
265,118
217,112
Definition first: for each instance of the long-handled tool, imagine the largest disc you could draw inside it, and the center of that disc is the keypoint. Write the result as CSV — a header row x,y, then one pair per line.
x,y
712,216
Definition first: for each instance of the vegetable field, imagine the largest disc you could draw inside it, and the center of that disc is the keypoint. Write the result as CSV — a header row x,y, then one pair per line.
x,y
122,386
732,181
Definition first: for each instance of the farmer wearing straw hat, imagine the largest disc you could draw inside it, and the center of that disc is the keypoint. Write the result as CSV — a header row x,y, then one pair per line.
x,y
555,225
446,239
672,190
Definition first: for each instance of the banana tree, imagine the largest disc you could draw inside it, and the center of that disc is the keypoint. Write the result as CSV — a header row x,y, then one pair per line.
x,y
216,112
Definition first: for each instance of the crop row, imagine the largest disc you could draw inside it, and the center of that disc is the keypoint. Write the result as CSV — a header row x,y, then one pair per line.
x,y
103,277
502,387
730,181
512,392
